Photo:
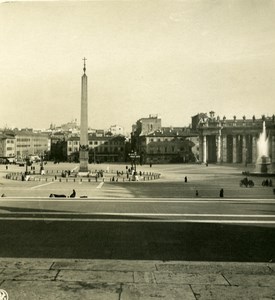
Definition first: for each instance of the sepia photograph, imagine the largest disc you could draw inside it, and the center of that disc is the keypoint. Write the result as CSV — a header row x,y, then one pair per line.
x,y
137,150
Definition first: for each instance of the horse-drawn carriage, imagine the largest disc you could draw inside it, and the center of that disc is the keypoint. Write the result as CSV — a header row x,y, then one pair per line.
x,y
246,182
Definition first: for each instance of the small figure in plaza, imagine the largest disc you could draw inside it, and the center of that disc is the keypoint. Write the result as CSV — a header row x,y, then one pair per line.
x,y
57,196
221,193
7,167
185,179
197,193
150,165
270,183
73,194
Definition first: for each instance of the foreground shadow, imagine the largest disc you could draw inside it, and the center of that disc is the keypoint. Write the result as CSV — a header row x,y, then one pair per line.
x,y
137,240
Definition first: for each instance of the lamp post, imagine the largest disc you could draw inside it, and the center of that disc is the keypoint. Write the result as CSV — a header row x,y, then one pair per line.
x,y
27,163
133,155
42,164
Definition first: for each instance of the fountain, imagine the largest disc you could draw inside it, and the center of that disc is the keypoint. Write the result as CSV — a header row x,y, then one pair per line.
x,y
263,160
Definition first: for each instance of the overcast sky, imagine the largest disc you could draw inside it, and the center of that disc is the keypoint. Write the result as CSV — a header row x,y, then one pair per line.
x,y
169,58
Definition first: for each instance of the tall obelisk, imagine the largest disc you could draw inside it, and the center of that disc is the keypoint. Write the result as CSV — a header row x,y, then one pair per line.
x,y
84,147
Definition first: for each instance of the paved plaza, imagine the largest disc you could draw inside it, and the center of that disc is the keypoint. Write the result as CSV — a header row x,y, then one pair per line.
x,y
123,279
150,239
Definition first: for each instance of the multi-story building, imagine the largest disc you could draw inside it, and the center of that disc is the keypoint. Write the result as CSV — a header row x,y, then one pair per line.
x,y
233,140
116,130
7,147
105,148
29,143
169,145
157,144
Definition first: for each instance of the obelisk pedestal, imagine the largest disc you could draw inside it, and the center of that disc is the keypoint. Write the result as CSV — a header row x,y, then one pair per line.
x,y
84,147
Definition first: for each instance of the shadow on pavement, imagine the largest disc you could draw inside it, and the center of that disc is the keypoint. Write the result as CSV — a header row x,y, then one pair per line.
x,y
137,240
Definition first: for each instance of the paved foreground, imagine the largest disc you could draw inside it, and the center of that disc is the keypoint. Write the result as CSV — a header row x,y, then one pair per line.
x,y
125,279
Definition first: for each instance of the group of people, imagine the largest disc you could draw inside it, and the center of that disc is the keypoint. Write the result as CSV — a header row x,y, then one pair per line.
x,y
267,182
197,192
73,195
221,193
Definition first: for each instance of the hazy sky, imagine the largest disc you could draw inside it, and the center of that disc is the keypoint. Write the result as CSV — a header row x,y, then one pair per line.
x,y
169,58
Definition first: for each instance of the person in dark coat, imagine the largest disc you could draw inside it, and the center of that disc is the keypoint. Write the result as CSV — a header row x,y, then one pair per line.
x,y
73,194
221,193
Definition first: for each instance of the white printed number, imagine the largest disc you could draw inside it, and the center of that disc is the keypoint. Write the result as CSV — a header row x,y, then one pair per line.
x,y
4,295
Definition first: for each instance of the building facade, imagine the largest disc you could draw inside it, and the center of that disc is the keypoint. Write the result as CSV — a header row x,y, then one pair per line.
x,y
29,143
233,140
105,148
7,148
156,144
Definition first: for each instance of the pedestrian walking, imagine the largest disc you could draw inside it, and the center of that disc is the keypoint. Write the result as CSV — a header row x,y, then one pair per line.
x,y
221,193
197,193
185,179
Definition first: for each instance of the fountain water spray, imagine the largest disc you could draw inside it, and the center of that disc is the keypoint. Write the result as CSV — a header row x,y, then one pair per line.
x,y
263,159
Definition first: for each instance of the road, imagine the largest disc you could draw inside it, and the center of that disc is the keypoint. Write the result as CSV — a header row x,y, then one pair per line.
x,y
160,219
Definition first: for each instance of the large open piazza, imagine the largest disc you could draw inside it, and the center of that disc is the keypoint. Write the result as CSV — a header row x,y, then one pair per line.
x,y
161,218
146,239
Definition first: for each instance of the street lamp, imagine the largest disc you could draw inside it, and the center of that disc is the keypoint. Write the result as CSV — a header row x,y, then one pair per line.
x,y
27,163
133,155
42,164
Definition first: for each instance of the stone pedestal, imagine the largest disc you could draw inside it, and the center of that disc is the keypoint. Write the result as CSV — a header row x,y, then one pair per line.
x,y
84,160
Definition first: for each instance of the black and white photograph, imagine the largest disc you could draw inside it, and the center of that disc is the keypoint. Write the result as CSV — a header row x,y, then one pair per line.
x,y
137,150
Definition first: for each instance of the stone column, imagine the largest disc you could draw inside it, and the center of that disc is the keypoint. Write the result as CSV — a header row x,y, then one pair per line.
x,y
234,158
218,141
254,149
201,148
84,147
224,148
204,149
244,150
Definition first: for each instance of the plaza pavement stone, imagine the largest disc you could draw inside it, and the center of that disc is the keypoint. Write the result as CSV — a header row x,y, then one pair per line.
x,y
144,277
28,275
96,276
272,267
26,263
189,278
216,267
156,291
251,280
51,290
210,292
102,265
23,279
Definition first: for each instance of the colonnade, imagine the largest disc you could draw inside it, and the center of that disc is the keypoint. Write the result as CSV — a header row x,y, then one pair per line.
x,y
231,148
